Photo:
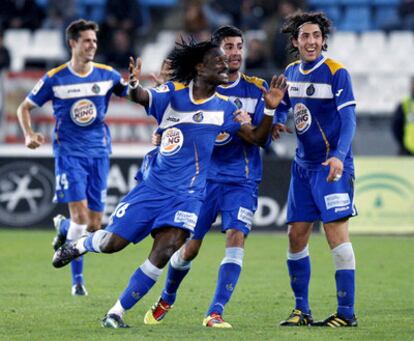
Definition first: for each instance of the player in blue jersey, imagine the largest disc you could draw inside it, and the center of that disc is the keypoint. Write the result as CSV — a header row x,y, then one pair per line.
x,y
166,203
80,91
232,186
321,188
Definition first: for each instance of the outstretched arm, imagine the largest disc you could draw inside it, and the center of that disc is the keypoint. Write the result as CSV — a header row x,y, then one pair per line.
x,y
258,135
136,92
33,140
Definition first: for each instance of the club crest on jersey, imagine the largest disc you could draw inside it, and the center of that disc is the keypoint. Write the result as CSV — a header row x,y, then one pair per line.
x,y
302,117
83,112
310,90
198,117
96,89
171,141
222,139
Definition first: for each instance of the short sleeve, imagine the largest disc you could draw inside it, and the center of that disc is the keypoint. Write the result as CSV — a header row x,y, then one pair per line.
x,y
229,125
42,91
120,87
160,98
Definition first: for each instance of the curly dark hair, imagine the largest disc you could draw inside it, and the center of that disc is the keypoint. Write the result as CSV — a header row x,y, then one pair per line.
x,y
185,57
296,20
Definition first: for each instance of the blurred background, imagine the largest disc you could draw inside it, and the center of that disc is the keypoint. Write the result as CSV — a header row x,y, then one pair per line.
x,y
374,39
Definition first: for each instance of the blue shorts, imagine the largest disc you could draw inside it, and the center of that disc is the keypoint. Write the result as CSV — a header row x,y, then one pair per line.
x,y
80,178
312,198
144,210
236,203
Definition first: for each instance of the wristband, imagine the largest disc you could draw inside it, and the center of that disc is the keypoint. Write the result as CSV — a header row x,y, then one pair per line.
x,y
269,112
133,84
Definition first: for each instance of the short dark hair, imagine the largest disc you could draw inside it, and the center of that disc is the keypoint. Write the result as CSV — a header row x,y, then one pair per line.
x,y
295,22
185,57
76,27
225,31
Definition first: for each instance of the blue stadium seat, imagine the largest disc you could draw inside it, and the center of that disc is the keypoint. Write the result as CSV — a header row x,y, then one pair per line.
x,y
321,3
158,3
356,18
386,2
355,2
333,12
385,15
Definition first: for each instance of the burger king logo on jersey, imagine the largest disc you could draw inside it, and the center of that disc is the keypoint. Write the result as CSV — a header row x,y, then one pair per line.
x,y
83,112
302,117
222,139
171,141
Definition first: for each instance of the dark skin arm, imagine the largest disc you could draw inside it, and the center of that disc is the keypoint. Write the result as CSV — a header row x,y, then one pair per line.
x,y
258,135
136,94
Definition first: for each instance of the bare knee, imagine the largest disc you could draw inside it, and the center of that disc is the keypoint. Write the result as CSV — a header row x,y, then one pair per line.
x,y
298,235
191,250
111,243
234,238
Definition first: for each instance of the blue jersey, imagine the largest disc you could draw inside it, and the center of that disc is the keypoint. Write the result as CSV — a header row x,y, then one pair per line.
x,y
235,160
79,104
316,95
189,128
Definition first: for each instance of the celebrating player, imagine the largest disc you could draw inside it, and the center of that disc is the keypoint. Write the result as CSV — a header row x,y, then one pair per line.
x,y
321,187
167,202
232,187
79,90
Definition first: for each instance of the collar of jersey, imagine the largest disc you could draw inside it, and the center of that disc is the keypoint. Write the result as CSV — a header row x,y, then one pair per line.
x,y
233,84
318,63
82,75
197,101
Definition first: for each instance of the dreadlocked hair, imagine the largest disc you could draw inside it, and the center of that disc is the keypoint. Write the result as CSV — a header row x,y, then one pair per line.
x,y
295,22
185,57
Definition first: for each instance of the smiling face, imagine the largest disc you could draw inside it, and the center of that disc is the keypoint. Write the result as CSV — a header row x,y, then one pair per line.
x,y
84,48
310,42
214,69
233,49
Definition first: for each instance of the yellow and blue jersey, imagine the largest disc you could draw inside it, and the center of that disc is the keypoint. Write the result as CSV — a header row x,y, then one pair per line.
x,y
235,160
316,94
80,103
189,129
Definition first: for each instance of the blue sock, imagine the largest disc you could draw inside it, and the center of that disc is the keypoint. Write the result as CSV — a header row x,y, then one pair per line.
x,y
226,283
172,282
64,227
139,284
77,270
345,289
299,272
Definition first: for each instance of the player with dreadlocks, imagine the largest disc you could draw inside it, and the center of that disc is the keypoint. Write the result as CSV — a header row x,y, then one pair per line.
x,y
321,186
167,202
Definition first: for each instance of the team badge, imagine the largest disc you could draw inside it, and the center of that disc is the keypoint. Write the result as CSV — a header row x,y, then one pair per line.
x,y
310,90
302,117
171,142
198,117
96,89
222,139
83,112
162,88
238,103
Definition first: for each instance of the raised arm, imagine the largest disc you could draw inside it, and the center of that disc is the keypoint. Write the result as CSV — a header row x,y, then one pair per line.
x,y
33,140
272,97
136,92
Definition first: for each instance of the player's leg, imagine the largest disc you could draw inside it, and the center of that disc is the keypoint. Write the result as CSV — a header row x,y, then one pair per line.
x,y
302,211
77,228
228,276
178,268
166,242
336,205
180,263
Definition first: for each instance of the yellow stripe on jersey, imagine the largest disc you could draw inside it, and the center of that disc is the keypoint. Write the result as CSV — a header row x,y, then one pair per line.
x,y
179,86
226,98
54,71
103,66
293,63
333,65
255,80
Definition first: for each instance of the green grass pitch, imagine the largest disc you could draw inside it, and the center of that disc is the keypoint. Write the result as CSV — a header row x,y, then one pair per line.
x,y
35,300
